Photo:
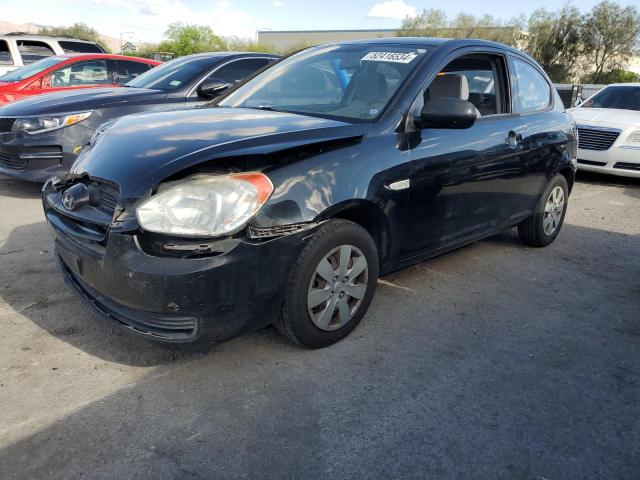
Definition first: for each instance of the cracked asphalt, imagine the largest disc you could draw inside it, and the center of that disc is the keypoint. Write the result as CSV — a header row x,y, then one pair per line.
x,y
496,361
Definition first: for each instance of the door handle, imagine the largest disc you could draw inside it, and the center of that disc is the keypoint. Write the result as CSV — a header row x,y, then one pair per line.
x,y
513,139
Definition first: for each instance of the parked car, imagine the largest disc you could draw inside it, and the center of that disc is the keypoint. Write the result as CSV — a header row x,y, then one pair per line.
x,y
19,49
609,131
71,71
41,137
285,202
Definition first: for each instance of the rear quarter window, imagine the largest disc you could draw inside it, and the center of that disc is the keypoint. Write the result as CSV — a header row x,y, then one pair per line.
x,y
79,47
533,92
5,54
33,50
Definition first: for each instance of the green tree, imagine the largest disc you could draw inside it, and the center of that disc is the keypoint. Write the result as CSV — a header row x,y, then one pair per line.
x,y
425,24
77,30
237,44
555,40
611,36
614,76
185,39
434,23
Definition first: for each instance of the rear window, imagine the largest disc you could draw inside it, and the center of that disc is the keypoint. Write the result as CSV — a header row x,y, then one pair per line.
x,y
5,54
79,47
32,50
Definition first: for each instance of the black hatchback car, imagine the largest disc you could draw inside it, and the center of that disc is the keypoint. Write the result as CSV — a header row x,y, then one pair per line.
x,y
285,202
42,136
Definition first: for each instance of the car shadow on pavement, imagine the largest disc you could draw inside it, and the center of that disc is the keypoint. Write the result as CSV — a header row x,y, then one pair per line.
x,y
495,361
631,185
14,188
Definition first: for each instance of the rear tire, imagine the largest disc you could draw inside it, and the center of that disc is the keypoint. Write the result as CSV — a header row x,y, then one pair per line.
x,y
331,285
545,224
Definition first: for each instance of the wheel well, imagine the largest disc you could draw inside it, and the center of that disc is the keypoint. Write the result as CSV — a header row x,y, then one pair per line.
x,y
567,173
371,223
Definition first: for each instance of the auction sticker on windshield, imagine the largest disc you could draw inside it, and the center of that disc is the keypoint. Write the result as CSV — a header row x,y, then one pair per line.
x,y
396,57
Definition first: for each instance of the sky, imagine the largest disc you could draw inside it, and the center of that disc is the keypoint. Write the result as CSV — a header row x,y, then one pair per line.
x,y
146,20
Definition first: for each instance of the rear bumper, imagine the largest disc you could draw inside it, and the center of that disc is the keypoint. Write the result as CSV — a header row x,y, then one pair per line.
x,y
623,161
179,299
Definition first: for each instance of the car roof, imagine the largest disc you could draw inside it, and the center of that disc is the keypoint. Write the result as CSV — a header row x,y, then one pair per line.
x,y
229,54
29,36
109,56
429,42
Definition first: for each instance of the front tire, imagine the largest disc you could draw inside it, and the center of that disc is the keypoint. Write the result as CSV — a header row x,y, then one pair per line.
x,y
544,225
331,285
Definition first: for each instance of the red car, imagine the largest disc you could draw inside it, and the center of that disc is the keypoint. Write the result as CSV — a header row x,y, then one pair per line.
x,y
64,72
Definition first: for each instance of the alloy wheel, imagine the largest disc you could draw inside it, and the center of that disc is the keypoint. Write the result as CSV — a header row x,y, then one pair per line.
x,y
553,210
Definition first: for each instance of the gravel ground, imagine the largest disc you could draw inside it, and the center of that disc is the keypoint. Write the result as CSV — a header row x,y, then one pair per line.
x,y
496,361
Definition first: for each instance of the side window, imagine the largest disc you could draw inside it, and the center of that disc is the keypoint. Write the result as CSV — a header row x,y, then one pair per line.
x,y
31,50
534,93
127,71
5,54
87,73
79,47
478,78
239,70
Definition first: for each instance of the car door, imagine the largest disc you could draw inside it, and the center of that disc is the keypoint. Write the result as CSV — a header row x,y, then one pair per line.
x,y
539,127
80,74
231,72
456,190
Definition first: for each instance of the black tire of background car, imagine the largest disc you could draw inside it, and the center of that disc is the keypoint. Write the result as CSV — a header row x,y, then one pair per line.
x,y
294,322
531,231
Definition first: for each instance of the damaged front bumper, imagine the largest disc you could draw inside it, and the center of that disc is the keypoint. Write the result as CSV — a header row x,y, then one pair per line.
x,y
233,287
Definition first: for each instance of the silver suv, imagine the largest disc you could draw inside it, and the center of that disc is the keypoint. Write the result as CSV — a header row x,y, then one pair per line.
x,y
19,49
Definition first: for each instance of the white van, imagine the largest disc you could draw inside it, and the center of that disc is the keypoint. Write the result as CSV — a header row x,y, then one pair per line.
x,y
19,49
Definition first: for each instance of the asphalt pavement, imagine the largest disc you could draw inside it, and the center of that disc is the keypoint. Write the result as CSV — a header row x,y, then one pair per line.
x,y
496,361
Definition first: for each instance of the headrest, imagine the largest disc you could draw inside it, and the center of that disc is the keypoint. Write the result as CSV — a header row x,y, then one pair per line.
x,y
370,87
450,85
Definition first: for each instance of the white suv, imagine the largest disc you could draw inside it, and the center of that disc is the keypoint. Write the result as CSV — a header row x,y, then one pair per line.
x,y
17,49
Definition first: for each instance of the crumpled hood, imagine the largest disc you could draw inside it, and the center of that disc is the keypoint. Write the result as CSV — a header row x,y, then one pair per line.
x,y
609,117
77,100
139,151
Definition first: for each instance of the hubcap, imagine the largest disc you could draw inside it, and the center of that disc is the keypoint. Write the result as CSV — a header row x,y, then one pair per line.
x,y
337,287
553,211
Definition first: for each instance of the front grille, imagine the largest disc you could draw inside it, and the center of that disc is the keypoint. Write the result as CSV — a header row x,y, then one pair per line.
x,y
595,138
108,198
14,163
628,166
278,231
592,162
6,124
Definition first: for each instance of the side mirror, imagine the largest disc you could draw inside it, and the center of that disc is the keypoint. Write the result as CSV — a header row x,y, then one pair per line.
x,y
447,112
212,87
579,101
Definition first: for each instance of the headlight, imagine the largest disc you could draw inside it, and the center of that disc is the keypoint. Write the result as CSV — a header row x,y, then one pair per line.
x,y
205,205
46,123
634,137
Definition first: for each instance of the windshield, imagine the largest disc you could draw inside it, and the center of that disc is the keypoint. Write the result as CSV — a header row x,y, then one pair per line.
x,y
173,74
345,81
31,69
620,97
